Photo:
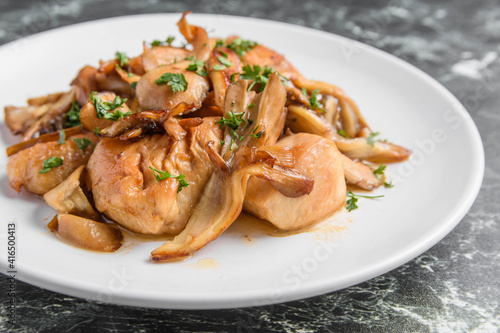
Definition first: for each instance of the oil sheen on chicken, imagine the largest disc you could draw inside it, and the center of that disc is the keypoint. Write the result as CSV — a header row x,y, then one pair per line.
x,y
316,158
23,168
126,190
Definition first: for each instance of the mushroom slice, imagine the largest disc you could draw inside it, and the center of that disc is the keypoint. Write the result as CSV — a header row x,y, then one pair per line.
x,y
19,119
300,119
352,114
87,234
156,56
69,197
84,83
147,121
222,198
197,37
379,152
359,174
43,138
316,158
220,73
52,120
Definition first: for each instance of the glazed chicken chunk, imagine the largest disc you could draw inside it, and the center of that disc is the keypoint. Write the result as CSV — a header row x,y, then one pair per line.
x,y
316,158
125,188
23,168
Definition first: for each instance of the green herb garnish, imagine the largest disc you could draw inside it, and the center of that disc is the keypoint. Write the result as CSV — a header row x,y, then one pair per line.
x,y
353,199
161,175
343,133
379,172
176,81
122,59
103,108
73,116
52,162
198,67
371,138
259,75
224,60
62,138
83,143
256,135
241,46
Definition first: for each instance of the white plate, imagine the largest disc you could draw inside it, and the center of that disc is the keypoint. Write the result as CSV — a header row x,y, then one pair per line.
x,y
433,190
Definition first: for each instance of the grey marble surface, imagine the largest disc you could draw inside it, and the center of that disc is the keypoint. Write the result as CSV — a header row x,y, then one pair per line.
x,y
453,287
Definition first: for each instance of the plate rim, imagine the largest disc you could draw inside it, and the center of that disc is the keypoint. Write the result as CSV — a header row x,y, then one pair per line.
x,y
321,286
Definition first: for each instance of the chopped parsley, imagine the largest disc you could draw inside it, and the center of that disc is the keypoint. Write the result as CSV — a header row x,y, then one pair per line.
x,y
133,84
388,184
62,138
103,108
233,121
313,100
195,67
371,138
83,143
379,172
122,59
52,162
224,60
241,46
353,199
220,42
168,41
259,75
161,175
343,133
251,105
219,67
73,116
258,134
176,81
97,130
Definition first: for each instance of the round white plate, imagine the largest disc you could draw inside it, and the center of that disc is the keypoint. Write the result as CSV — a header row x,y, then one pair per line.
x,y
433,191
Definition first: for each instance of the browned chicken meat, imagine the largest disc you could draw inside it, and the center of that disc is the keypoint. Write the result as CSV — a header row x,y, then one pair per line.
x,y
125,188
33,169
315,158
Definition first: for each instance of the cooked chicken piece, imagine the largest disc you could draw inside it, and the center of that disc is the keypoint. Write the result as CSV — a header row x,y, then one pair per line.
x,y
125,188
162,55
315,158
69,197
153,96
90,118
222,198
87,234
23,168
84,83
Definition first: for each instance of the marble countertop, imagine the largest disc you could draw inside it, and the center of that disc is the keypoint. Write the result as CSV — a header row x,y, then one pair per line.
x,y
453,287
